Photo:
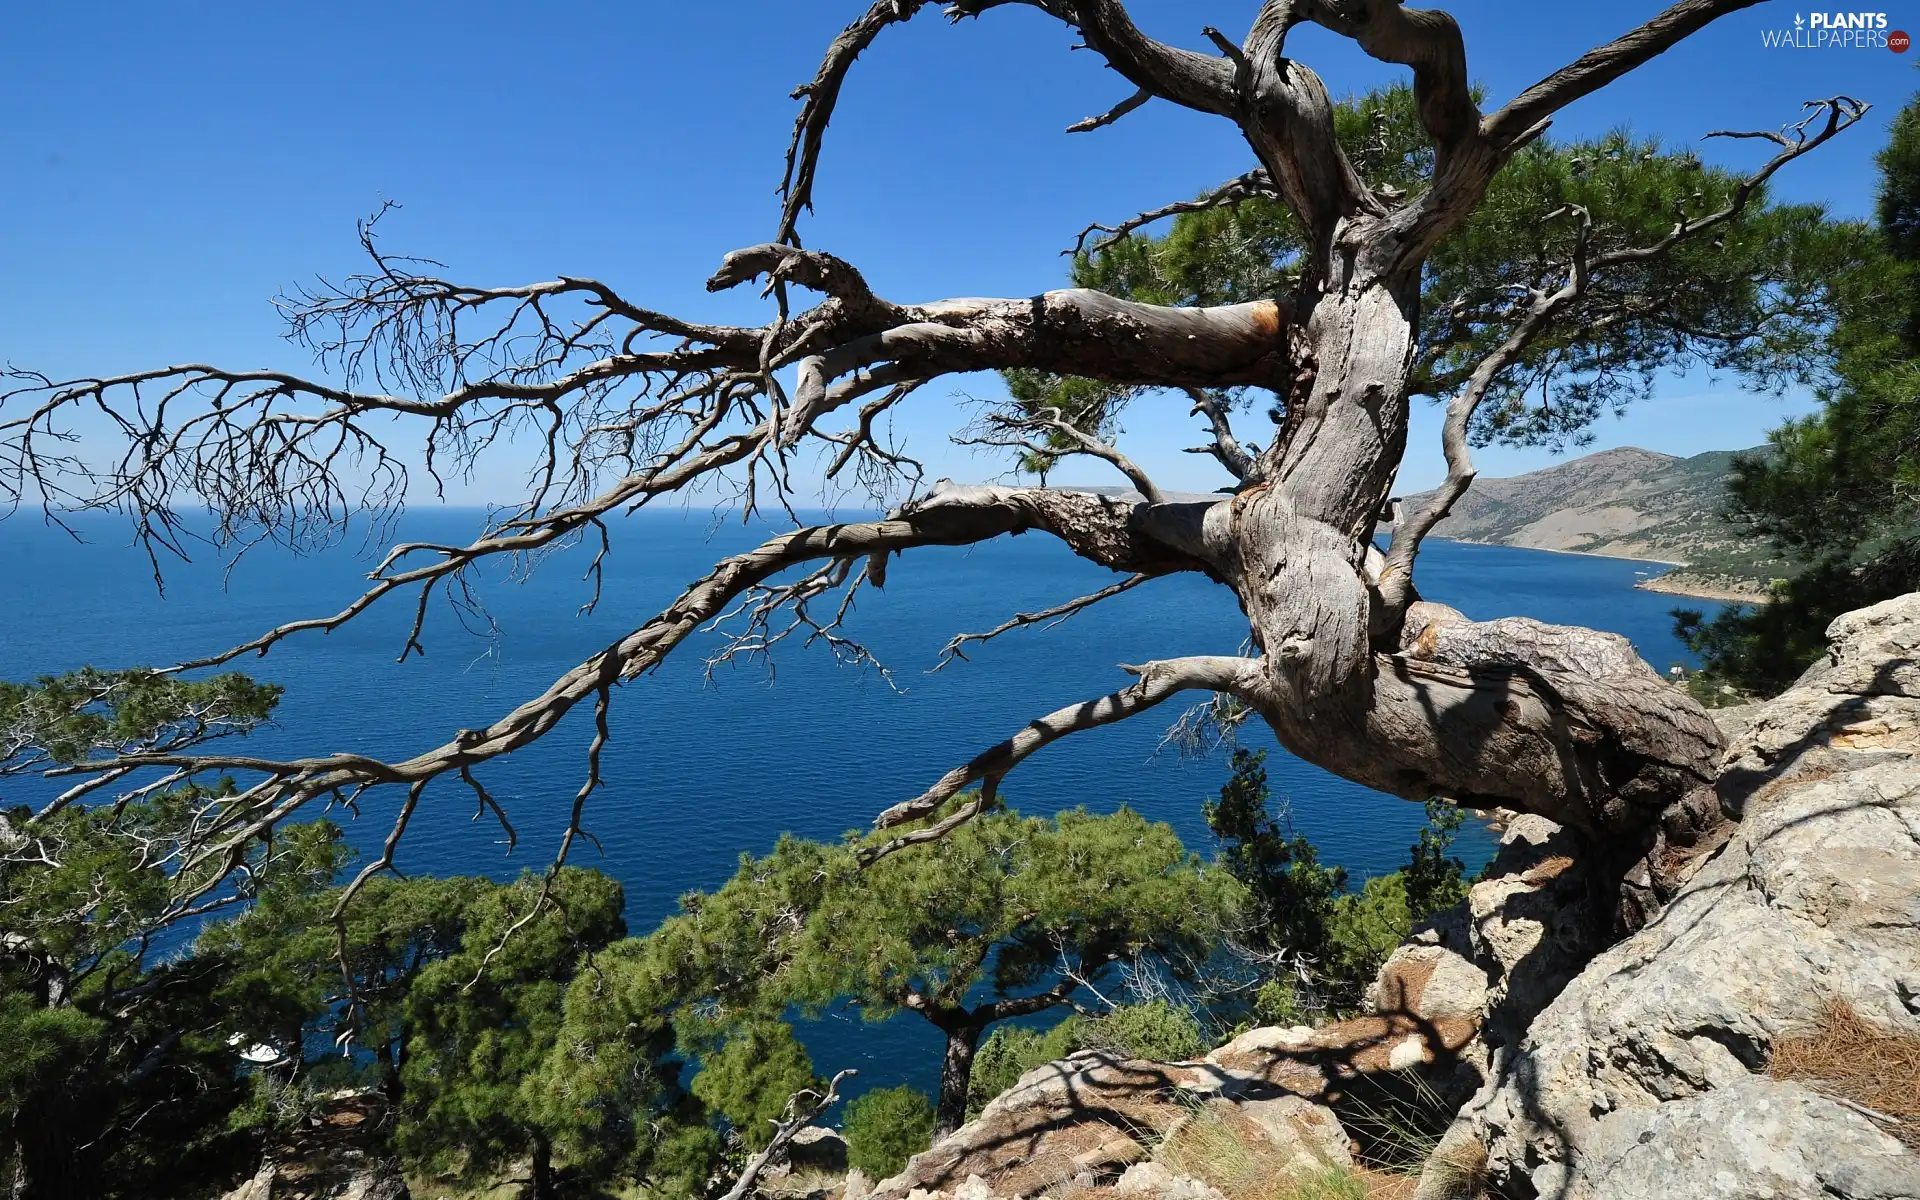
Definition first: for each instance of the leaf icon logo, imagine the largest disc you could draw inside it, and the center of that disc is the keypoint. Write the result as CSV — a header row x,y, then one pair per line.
x,y
1798,20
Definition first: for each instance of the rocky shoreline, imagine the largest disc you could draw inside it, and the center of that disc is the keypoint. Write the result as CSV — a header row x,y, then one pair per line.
x,y
1681,583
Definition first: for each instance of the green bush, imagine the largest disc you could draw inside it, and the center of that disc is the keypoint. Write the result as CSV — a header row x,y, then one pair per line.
x,y
749,1078
1365,927
1278,1002
886,1127
1156,1030
1435,879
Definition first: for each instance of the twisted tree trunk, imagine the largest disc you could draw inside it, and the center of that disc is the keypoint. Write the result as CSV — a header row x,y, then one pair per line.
x,y
1353,672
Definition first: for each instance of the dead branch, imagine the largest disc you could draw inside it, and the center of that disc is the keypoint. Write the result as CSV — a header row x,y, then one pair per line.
x,y
1155,682
1234,191
1225,448
1113,114
803,1108
1602,65
1050,616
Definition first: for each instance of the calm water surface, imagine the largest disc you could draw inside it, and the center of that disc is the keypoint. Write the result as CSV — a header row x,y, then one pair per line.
x,y
698,772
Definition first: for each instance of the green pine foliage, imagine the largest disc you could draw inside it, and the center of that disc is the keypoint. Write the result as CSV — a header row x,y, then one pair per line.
x,y
65,719
749,1073
480,1023
1836,490
99,1032
886,1127
122,1069
1324,941
1435,879
989,916
1755,301
1158,1029
1292,895
286,985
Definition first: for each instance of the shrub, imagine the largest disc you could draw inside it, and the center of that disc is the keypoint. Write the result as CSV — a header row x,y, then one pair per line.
x,y
886,1127
1365,927
1157,1029
750,1077
1435,879
1278,1002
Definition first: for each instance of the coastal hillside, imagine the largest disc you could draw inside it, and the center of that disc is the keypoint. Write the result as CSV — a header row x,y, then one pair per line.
x,y
1627,503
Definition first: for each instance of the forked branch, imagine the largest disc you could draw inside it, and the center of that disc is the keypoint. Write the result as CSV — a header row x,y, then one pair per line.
x,y
1544,309
1234,191
1155,683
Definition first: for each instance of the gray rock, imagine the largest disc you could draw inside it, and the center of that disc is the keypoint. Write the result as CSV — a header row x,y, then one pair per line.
x,y
1502,956
1875,651
1751,1138
1495,960
1531,923
974,1188
817,1148
1307,1132
1152,1181
1641,1080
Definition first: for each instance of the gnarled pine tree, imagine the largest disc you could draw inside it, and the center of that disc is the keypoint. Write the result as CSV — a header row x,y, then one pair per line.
x,y
1350,668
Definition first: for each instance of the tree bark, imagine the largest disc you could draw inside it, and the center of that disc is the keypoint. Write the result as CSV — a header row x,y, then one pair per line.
x,y
541,1186
956,1076
388,1053
48,1167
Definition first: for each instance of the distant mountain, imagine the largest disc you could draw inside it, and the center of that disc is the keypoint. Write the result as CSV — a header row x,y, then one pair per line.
x,y
1625,503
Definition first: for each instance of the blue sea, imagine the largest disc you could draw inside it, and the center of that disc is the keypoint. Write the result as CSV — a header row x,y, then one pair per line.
x,y
698,771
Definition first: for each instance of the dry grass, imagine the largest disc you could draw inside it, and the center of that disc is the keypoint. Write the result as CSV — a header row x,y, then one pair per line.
x,y
1459,1170
1850,1058
1222,1148
1395,1119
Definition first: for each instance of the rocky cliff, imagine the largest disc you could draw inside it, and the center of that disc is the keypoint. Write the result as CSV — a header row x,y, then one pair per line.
x,y
1759,1037
1716,1052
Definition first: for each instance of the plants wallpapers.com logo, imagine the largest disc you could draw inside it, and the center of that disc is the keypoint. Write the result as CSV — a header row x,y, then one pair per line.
x,y
1837,31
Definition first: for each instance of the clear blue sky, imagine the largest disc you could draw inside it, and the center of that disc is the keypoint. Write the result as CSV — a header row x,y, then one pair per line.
x,y
171,167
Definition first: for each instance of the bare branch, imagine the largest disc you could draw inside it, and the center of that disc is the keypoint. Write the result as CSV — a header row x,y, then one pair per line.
x,y
1225,448
803,1108
1095,526
1602,65
1427,40
821,95
1234,191
1189,79
1155,683
1051,616
1395,578
1113,114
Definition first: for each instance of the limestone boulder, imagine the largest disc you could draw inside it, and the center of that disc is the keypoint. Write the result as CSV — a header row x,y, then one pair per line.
x,y
1646,1077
